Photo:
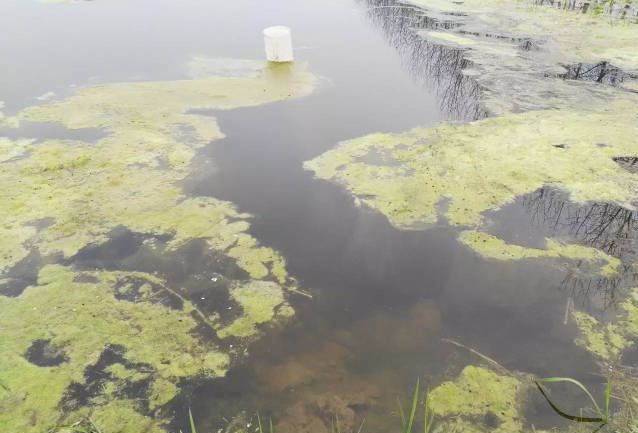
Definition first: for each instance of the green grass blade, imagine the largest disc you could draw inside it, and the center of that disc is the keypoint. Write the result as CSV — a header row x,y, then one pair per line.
x,y
73,428
261,430
361,426
428,415
607,397
401,414
94,426
190,418
272,430
578,384
563,414
415,402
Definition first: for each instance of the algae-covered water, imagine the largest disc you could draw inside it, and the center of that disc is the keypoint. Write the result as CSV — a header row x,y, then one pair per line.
x,y
435,190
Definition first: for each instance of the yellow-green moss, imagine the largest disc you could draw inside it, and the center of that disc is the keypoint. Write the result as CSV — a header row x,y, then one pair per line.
x,y
464,404
495,248
82,318
486,164
258,301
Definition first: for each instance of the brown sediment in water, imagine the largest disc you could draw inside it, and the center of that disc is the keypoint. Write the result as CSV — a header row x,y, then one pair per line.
x,y
319,378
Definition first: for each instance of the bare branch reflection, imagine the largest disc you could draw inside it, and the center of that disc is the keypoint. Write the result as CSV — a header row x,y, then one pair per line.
x,y
606,226
602,72
627,10
434,65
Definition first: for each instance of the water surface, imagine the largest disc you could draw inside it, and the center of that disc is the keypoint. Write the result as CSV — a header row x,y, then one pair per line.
x,y
382,298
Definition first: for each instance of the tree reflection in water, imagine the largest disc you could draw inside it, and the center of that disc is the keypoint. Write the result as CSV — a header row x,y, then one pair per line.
x,y
437,66
606,226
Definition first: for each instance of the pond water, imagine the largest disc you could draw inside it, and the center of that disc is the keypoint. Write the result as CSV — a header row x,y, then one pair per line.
x,y
384,300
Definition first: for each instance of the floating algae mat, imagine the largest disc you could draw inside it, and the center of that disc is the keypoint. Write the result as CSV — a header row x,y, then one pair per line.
x,y
486,164
60,196
480,400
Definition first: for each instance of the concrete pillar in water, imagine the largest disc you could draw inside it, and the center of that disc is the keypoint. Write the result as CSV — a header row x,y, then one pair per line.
x,y
278,44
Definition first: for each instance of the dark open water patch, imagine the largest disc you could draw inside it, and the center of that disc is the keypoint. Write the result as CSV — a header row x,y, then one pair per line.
x,y
192,272
21,276
550,213
97,376
629,163
40,131
44,354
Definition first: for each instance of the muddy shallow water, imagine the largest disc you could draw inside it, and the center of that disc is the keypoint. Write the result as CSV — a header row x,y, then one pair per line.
x,y
383,300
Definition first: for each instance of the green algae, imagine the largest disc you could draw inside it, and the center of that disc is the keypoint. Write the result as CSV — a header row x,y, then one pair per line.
x,y
202,67
90,188
483,165
449,37
495,248
8,121
477,395
119,417
10,149
608,339
605,341
88,319
515,78
630,307
575,37
130,178
258,301
121,372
